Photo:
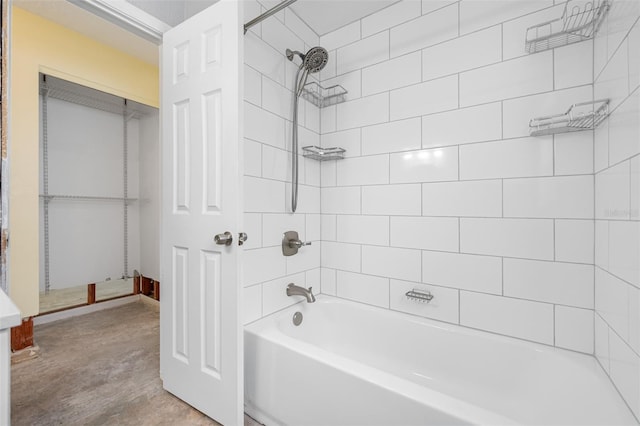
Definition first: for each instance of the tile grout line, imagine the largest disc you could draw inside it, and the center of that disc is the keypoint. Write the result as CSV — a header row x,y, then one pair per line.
x,y
502,273
502,197
470,106
554,324
415,18
459,235
555,255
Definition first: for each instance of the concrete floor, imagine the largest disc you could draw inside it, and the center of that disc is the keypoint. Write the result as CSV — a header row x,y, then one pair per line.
x,y
98,369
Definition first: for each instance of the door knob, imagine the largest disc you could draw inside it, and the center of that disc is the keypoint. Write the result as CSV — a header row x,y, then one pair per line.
x,y
242,237
224,239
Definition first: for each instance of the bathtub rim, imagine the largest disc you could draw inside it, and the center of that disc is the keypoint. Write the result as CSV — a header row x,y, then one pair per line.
x,y
467,412
430,322
267,328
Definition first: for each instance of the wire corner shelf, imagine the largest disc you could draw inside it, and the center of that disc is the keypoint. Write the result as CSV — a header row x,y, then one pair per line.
x,y
580,116
580,21
323,154
322,96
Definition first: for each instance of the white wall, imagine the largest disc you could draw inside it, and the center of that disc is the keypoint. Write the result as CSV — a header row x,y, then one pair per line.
x,y
85,158
617,196
149,171
443,189
268,104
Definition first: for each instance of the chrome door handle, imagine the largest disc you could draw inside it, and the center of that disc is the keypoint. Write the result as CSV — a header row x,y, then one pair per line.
x,y
224,239
242,237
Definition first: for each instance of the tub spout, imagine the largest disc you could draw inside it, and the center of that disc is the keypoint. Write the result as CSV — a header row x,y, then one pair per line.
x,y
294,290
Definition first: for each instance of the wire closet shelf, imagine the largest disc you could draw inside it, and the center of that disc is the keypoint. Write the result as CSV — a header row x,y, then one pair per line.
x,y
86,198
56,88
580,21
580,116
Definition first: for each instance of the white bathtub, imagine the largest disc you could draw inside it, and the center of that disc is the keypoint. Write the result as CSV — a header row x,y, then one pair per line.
x,y
351,364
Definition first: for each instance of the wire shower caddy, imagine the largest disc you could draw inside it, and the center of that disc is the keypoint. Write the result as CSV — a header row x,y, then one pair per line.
x,y
580,21
322,96
580,116
323,154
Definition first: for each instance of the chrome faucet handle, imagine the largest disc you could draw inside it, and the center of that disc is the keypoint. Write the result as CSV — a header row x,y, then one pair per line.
x,y
291,243
298,243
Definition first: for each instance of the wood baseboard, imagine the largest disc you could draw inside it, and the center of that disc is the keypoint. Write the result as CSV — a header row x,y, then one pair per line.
x,y
91,294
22,335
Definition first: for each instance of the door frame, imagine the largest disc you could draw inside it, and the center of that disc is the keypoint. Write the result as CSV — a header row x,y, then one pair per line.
x,y
126,16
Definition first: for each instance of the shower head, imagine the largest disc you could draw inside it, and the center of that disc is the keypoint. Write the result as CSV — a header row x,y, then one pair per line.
x,y
313,61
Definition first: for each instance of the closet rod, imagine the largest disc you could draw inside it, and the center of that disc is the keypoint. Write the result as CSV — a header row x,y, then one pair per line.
x,y
275,9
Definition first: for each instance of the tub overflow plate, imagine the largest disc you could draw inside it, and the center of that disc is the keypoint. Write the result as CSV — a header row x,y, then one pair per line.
x,y
297,318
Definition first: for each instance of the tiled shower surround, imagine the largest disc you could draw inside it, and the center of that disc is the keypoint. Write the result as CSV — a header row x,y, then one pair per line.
x,y
617,202
443,189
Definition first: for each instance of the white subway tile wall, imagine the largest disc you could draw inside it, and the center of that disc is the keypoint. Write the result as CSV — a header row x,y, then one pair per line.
x,y
427,30
617,230
267,162
574,328
363,288
444,190
482,123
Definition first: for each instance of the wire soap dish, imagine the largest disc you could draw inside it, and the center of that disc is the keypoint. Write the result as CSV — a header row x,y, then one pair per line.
x,y
581,116
323,96
580,21
323,154
419,295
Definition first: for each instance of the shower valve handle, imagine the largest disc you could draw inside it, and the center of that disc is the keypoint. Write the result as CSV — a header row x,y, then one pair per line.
x,y
291,243
298,243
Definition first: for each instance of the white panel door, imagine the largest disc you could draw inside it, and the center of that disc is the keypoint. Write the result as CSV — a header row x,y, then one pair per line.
x,y
201,356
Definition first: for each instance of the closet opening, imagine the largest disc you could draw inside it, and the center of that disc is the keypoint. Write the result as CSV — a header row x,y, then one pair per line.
x,y
99,196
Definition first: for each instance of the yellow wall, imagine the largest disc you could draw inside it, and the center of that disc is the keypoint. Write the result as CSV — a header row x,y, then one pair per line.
x,y
38,45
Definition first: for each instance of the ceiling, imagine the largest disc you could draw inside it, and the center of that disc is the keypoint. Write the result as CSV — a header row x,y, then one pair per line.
x,y
323,16
172,12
